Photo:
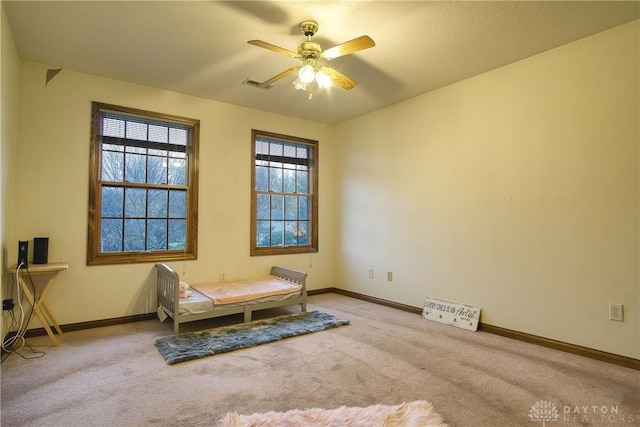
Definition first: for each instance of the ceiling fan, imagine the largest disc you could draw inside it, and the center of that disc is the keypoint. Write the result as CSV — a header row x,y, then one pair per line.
x,y
310,53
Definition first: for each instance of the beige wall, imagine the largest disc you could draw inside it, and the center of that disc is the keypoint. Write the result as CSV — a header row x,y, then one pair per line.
x,y
516,190
51,191
9,79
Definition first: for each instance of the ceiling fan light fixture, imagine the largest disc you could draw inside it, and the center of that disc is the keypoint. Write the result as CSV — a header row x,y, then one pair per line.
x,y
323,80
306,73
299,85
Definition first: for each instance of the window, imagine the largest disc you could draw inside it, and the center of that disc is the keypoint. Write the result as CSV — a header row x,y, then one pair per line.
x,y
284,199
143,192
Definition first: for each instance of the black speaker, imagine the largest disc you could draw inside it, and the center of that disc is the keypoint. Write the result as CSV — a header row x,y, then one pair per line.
x,y
23,250
40,250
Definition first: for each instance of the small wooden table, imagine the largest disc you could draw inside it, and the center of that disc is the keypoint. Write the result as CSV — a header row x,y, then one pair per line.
x,y
37,301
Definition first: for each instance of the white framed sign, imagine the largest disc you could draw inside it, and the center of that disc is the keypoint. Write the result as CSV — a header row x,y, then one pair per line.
x,y
451,313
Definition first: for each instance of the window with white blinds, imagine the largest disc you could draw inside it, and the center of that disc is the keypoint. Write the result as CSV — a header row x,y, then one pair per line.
x,y
144,184
284,194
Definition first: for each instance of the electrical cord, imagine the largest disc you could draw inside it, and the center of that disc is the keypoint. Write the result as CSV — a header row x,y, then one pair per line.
x,y
14,323
35,354
17,342
10,344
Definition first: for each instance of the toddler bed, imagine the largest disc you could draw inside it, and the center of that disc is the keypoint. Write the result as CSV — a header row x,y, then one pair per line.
x,y
283,287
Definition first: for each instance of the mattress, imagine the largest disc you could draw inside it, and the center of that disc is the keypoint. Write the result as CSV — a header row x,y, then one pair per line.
x,y
199,303
242,291
196,303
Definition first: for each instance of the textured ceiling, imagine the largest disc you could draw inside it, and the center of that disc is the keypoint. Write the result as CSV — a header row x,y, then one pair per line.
x,y
200,48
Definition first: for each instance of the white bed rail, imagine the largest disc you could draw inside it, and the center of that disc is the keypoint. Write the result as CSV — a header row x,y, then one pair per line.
x,y
168,289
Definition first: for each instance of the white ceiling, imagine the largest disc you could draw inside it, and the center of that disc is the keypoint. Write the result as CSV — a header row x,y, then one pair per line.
x,y
200,47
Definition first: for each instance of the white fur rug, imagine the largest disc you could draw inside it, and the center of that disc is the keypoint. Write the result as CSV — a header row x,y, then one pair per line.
x,y
419,413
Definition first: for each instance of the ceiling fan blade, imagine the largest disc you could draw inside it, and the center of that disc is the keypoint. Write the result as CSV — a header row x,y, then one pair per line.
x,y
360,43
278,77
339,78
274,48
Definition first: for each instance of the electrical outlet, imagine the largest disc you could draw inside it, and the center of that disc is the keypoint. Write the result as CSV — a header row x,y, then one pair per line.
x,y
222,277
7,304
370,272
616,312
389,276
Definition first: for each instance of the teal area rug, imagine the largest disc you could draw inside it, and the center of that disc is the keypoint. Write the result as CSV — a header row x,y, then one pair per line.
x,y
195,345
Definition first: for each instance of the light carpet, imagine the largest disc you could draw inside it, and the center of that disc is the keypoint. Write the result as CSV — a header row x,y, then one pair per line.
x,y
419,413
195,345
